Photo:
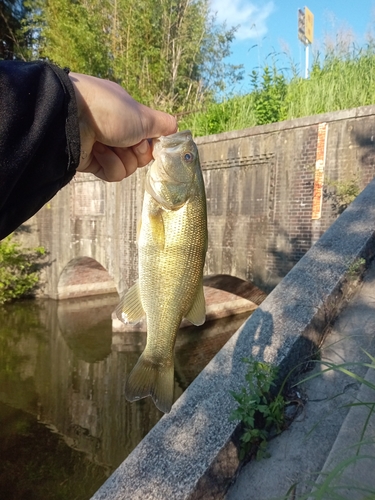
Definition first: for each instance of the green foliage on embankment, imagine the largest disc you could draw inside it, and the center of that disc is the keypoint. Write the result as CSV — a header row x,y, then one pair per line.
x,y
343,78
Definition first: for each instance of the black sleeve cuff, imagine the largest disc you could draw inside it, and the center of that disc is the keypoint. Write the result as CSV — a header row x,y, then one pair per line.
x,y
39,138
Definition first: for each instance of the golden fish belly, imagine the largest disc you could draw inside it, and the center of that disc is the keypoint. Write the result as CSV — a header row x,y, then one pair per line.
x,y
170,269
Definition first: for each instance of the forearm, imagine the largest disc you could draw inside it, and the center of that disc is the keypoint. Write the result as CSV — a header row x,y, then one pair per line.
x,y
47,117
39,138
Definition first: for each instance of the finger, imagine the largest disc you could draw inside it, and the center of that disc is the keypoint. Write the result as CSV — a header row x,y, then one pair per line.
x,y
128,159
143,152
111,165
157,123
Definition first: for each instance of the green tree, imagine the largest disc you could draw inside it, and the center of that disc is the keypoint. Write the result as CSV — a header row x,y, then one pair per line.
x,y
13,40
166,53
68,33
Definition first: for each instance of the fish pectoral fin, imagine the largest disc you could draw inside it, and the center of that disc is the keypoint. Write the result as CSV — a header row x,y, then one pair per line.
x,y
197,313
139,227
157,228
151,379
130,309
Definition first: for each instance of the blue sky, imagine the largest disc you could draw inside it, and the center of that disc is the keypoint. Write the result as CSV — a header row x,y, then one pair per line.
x,y
272,27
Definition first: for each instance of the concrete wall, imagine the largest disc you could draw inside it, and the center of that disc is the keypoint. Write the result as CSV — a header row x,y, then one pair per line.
x,y
261,185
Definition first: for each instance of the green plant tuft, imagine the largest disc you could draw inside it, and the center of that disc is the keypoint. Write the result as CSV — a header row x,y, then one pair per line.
x,y
342,193
356,268
19,269
269,96
258,410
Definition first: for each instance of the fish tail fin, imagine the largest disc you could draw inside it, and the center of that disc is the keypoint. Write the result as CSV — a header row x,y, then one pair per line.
x,y
151,379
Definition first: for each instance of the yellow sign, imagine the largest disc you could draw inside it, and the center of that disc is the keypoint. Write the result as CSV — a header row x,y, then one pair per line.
x,y
309,25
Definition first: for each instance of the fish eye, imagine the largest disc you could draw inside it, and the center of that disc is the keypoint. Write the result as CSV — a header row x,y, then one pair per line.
x,y
188,157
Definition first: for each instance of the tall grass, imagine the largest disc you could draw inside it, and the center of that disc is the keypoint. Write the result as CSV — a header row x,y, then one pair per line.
x,y
338,82
342,78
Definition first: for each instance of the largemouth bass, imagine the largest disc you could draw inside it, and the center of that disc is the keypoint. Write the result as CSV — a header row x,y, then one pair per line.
x,y
172,245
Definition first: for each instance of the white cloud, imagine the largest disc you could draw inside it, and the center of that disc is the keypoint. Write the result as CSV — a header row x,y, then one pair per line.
x,y
251,18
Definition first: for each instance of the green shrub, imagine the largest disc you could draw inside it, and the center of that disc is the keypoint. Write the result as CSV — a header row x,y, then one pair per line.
x,y
269,96
258,410
341,193
19,269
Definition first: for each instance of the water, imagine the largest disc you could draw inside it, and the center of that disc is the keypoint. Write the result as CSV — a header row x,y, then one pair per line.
x,y
64,422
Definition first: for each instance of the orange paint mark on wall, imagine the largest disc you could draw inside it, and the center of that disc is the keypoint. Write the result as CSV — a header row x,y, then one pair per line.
x,y
319,171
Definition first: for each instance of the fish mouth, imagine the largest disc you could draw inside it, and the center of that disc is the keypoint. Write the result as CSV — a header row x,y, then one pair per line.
x,y
171,141
168,180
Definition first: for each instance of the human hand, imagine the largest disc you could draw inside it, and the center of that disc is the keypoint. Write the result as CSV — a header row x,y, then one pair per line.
x,y
114,128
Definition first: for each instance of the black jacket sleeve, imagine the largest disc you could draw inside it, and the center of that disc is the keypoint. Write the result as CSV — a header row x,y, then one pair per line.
x,y
39,138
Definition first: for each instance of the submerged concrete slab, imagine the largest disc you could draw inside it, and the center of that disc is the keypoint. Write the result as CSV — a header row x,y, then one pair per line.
x,y
219,304
191,453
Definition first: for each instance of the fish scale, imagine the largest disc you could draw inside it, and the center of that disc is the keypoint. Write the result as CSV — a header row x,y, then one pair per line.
x,y
172,247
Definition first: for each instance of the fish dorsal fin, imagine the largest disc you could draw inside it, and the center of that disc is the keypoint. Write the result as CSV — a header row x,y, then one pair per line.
x,y
197,313
130,309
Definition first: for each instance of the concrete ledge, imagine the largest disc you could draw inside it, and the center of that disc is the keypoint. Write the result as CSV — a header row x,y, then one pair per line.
x,y
191,453
358,476
305,121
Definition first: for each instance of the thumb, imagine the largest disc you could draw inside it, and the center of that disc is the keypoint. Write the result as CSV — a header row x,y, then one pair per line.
x,y
156,123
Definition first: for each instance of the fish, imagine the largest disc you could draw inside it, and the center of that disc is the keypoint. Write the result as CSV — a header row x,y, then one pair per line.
x,y
172,246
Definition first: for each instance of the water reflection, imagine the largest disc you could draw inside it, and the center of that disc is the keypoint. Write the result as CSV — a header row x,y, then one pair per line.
x,y
65,424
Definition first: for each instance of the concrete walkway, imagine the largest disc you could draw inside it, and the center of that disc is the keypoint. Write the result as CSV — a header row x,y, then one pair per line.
x,y
327,431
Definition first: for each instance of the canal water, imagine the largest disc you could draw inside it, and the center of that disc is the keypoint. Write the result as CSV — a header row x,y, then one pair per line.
x,y
65,424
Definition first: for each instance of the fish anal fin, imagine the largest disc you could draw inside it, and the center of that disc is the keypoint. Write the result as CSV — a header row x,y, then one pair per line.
x,y
197,313
151,379
130,309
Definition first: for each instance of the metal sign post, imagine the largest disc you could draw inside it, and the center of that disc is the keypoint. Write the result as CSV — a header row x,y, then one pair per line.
x,y
306,33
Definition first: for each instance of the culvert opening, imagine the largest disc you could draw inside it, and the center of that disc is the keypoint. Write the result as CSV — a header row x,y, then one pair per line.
x,y
83,277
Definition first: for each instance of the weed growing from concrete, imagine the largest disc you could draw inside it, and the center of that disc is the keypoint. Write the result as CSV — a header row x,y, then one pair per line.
x,y
341,193
258,410
356,268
